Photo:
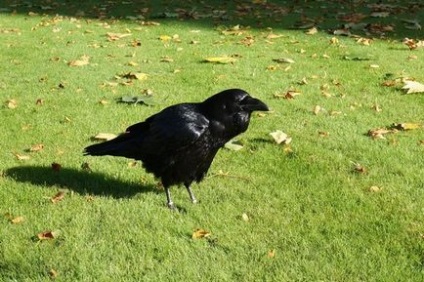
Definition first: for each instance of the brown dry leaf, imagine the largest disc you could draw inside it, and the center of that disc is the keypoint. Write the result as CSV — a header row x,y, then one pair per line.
x,y
134,75
291,94
17,220
378,133
47,235
271,253
83,61
359,168
86,166
376,107
11,104
39,102
389,83
200,233
104,136
36,148
220,60
111,36
22,157
58,197
323,133
56,166
413,87
280,137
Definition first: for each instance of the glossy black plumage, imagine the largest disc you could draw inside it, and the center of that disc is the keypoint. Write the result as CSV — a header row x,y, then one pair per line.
x,y
179,143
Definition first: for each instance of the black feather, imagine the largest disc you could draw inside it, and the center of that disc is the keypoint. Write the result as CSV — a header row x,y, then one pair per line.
x,y
179,143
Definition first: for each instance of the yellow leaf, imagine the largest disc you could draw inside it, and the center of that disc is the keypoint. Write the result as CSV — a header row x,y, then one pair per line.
x,y
36,148
271,253
245,217
220,60
375,189
22,157
104,136
11,104
83,61
165,38
200,233
17,220
312,30
406,126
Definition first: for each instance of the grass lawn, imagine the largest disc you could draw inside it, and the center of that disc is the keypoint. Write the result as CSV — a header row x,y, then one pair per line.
x,y
336,204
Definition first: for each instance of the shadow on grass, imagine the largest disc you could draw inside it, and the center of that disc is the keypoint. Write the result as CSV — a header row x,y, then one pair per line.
x,y
82,182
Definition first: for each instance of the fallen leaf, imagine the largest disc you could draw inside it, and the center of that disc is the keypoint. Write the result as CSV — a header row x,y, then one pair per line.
x,y
11,104
111,36
22,157
312,30
200,233
104,137
413,87
83,61
284,61
406,126
36,148
53,273
271,253
317,109
47,235
359,168
378,133
220,60
280,137
375,189
58,197
39,102
245,217
233,145
17,220
147,100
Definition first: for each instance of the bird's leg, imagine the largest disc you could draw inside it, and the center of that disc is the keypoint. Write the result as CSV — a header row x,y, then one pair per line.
x,y
169,201
190,193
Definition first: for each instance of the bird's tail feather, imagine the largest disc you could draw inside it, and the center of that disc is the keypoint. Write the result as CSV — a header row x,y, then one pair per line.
x,y
115,147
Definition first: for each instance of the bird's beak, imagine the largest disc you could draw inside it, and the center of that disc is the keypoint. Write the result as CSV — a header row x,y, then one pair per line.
x,y
252,104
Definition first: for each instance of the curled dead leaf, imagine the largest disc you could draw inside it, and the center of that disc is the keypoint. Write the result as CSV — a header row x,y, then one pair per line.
x,y
22,157
11,104
413,87
58,197
47,235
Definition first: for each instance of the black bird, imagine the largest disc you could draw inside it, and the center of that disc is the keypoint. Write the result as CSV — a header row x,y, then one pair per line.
x,y
179,143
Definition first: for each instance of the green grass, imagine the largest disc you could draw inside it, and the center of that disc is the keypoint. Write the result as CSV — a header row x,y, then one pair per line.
x,y
308,207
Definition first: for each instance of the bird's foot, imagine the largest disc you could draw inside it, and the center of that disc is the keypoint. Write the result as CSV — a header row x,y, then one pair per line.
x,y
172,206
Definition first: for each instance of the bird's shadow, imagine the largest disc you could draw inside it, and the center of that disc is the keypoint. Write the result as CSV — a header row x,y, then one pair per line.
x,y
80,181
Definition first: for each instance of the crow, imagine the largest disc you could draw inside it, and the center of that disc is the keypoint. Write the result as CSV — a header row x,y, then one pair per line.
x,y
179,143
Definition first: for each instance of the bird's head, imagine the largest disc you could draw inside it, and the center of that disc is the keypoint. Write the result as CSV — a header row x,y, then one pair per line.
x,y
231,109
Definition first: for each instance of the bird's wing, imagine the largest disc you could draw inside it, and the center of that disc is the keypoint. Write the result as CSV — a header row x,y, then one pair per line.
x,y
172,129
